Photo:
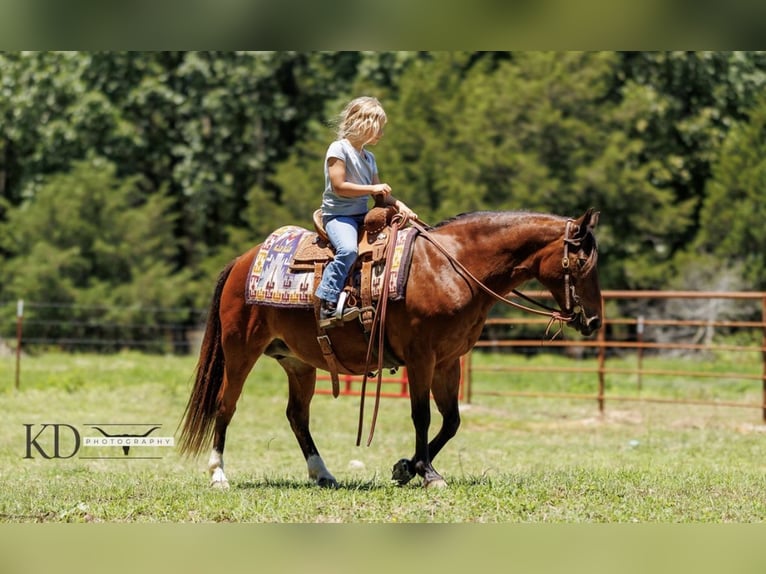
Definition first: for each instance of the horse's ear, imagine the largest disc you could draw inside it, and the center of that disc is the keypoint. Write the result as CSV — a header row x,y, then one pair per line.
x,y
593,218
588,221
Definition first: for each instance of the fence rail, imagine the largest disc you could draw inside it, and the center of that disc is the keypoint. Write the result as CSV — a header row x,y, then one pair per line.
x,y
627,329
71,327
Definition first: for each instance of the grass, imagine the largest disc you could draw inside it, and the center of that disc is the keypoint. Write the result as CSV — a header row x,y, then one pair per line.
x,y
514,460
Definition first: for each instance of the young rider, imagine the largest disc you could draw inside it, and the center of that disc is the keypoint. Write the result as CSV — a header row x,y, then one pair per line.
x,y
351,177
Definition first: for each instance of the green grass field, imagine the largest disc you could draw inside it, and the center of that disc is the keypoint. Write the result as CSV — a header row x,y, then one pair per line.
x,y
514,460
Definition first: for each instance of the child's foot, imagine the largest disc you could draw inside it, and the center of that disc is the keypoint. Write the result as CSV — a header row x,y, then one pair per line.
x,y
329,315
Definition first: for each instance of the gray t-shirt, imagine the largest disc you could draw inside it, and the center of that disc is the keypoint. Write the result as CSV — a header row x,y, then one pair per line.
x,y
360,169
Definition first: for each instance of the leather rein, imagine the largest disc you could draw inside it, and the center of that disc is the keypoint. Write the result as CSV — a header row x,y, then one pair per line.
x,y
573,306
555,315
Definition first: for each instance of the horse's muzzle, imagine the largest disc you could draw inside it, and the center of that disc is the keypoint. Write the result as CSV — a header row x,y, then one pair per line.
x,y
587,325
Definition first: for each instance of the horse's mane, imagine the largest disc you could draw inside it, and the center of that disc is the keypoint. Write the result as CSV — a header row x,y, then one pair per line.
x,y
518,218
477,214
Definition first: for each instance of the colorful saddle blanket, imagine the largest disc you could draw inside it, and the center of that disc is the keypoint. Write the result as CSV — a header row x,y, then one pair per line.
x,y
271,280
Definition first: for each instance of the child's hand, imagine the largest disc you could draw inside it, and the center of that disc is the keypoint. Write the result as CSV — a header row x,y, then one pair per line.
x,y
382,190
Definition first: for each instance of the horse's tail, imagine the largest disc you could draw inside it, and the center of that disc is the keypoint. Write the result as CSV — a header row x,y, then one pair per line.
x,y
199,416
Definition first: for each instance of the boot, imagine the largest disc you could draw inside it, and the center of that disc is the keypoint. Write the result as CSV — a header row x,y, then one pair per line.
x,y
329,315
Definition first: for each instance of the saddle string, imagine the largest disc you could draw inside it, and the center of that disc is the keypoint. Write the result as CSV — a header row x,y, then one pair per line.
x,y
379,323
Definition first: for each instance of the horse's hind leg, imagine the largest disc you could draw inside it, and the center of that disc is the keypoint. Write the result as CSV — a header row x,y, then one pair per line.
x,y
302,380
239,363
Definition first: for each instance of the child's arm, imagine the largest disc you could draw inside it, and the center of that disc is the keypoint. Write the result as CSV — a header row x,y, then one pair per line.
x,y
337,170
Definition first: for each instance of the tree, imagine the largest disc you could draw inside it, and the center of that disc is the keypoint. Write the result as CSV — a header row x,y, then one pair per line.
x,y
734,210
230,146
695,98
91,239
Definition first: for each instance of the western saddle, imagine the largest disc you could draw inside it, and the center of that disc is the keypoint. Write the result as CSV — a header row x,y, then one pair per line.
x,y
315,251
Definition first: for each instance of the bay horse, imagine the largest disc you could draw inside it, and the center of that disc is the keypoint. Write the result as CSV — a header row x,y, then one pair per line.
x,y
457,270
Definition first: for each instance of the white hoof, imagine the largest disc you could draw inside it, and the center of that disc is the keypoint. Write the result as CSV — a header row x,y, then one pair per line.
x,y
438,483
318,472
218,480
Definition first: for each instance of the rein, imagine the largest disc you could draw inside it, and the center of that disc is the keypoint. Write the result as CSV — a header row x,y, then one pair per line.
x,y
379,320
550,312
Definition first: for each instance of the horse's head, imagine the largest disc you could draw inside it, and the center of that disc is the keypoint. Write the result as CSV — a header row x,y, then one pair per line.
x,y
570,273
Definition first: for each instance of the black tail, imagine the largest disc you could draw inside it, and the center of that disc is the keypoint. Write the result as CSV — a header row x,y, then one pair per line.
x,y
199,416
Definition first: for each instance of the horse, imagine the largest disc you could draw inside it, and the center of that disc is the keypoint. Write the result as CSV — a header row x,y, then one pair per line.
x,y
457,272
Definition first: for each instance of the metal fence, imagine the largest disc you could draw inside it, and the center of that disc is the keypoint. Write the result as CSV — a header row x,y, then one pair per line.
x,y
70,327
37,326
678,321
637,324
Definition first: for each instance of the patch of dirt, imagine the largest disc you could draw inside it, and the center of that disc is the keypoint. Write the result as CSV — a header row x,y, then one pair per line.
x,y
748,428
609,418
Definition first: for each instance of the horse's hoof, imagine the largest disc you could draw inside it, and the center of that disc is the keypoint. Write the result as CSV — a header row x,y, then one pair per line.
x,y
437,483
218,480
401,472
327,482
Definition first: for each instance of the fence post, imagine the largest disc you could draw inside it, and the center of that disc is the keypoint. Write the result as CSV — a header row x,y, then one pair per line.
x,y
467,386
601,358
19,321
348,380
640,353
763,358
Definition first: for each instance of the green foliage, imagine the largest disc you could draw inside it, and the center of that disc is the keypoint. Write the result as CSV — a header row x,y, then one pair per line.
x,y
734,209
91,239
229,146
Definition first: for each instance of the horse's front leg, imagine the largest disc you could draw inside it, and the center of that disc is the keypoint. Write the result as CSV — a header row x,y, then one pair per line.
x,y
420,464
302,380
446,391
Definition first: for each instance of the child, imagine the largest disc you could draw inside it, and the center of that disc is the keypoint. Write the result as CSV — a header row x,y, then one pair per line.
x,y
351,176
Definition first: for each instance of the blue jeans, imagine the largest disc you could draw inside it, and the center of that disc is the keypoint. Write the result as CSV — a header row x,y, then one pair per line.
x,y
343,231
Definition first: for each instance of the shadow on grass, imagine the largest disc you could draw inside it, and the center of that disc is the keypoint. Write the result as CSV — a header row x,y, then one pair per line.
x,y
374,484
292,484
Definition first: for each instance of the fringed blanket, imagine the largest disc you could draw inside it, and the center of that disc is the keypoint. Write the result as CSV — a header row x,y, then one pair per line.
x,y
271,282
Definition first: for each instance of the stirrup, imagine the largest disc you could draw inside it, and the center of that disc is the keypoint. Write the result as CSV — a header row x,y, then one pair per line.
x,y
349,314
340,314
343,312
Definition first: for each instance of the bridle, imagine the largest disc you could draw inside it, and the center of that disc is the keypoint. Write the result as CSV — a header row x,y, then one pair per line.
x,y
572,301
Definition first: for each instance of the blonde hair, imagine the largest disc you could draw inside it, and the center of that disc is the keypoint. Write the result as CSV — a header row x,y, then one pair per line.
x,y
361,119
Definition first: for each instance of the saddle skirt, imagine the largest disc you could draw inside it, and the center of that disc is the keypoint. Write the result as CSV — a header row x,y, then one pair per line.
x,y
278,279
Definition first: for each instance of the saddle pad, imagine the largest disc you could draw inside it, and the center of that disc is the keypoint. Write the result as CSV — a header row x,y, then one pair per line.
x,y
271,282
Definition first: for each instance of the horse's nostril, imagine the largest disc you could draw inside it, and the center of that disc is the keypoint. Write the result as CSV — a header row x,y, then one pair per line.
x,y
594,323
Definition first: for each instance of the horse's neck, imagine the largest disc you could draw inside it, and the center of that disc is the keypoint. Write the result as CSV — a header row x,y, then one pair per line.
x,y
498,250
503,248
